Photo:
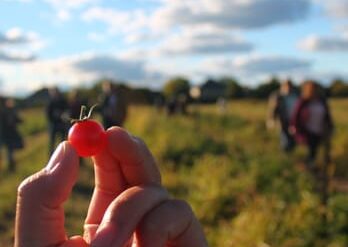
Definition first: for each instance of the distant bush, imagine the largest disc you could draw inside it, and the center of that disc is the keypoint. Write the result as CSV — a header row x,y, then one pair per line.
x,y
264,90
233,88
176,86
338,88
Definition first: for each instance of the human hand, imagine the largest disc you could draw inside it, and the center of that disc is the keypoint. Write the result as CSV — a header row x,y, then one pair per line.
x,y
129,207
270,123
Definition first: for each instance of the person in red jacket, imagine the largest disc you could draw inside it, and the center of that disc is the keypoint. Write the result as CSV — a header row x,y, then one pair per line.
x,y
312,122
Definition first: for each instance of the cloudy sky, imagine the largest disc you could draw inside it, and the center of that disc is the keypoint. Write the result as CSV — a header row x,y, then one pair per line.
x,y
74,42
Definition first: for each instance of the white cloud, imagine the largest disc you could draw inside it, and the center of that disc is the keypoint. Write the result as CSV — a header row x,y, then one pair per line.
x,y
15,57
17,45
138,53
138,37
250,69
270,64
170,15
328,44
65,9
15,35
84,69
254,66
118,21
96,37
38,73
243,14
70,4
21,1
200,41
335,8
63,15
113,67
71,71
342,29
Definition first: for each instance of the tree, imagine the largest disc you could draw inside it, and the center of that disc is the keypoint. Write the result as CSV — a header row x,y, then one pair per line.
x,y
233,88
176,86
265,89
339,88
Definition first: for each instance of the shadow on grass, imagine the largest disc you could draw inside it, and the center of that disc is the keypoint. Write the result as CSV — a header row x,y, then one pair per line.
x,y
188,154
225,121
341,166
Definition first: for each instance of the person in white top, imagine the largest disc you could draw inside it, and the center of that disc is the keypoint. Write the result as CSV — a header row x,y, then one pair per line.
x,y
281,106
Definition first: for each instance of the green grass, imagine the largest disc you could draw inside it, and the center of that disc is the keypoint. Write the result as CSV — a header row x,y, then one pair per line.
x,y
228,167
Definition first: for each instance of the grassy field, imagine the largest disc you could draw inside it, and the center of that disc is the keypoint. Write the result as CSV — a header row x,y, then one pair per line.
x,y
228,167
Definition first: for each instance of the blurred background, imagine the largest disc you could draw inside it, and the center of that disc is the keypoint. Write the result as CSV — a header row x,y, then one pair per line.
x,y
241,101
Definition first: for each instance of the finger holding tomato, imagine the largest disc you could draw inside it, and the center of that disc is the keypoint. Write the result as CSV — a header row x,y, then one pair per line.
x,y
128,205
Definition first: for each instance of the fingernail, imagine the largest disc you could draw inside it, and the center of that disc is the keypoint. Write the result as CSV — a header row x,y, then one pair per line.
x,y
89,232
104,236
56,157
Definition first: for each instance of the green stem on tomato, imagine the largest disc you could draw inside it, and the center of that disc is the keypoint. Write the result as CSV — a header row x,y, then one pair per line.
x,y
91,111
82,112
83,116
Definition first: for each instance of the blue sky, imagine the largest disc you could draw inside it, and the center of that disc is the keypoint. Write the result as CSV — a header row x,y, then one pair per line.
x,y
74,42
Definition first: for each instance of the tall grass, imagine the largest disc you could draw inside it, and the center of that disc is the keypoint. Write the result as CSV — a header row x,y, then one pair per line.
x,y
227,166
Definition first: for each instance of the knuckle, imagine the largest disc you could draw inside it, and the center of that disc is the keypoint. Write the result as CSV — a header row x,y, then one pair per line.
x,y
151,226
160,221
118,132
115,129
139,141
128,203
182,206
32,185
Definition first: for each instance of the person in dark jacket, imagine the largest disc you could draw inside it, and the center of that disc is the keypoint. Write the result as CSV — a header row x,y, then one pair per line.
x,y
281,107
57,117
312,122
75,102
2,106
113,106
12,139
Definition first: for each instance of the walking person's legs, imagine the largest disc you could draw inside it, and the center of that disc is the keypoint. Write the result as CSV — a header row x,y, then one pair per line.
x,y
327,150
10,159
52,138
313,146
1,155
287,140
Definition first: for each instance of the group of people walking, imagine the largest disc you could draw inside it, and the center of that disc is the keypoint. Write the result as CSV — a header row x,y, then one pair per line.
x,y
304,118
60,110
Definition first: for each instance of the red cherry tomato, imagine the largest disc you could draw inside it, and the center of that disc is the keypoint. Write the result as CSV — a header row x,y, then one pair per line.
x,y
87,137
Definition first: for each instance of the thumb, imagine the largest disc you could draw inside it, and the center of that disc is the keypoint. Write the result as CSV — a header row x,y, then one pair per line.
x,y
40,215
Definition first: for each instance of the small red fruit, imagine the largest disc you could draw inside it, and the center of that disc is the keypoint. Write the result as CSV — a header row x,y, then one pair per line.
x,y
87,136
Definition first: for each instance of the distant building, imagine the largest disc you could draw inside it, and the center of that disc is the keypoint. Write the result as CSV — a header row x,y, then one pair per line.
x,y
210,91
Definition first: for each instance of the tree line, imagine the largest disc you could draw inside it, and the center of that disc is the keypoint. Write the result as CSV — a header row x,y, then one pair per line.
x,y
235,90
232,89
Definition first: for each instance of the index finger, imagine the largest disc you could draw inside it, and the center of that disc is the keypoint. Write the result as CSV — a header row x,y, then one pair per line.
x,y
136,161
124,163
